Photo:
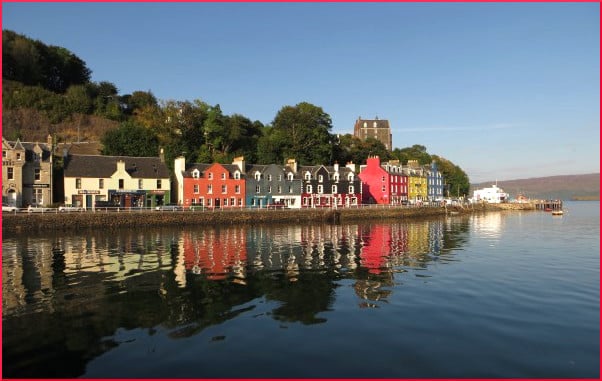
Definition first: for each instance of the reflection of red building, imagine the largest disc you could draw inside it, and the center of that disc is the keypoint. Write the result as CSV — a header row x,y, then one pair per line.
x,y
216,253
379,244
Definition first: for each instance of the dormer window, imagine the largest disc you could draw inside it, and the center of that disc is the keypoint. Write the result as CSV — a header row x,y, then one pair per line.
x,y
350,177
335,177
290,176
307,176
321,178
196,174
210,176
269,177
223,176
237,175
257,176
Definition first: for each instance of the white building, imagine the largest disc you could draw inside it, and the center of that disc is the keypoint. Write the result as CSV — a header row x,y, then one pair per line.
x,y
493,195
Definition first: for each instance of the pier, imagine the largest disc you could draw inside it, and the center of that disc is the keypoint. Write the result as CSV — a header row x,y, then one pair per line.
x,y
548,204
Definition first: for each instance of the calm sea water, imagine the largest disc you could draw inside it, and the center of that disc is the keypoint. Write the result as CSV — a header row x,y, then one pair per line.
x,y
512,294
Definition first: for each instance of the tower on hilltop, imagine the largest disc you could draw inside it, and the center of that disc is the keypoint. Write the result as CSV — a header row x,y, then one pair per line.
x,y
374,128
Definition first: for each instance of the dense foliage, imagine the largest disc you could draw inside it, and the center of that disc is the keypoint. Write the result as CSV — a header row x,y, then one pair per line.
x,y
56,83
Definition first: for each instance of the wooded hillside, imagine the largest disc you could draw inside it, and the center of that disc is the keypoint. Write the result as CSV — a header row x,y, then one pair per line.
x,y
568,187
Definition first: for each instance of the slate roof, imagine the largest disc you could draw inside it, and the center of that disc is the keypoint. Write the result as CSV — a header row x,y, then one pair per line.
x,y
29,147
104,166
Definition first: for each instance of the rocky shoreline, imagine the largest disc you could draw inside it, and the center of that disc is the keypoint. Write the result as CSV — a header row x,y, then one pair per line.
x,y
22,223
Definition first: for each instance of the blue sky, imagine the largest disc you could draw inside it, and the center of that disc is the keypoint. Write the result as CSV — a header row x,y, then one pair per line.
x,y
504,90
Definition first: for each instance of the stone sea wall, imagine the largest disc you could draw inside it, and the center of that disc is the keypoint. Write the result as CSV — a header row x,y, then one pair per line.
x,y
23,223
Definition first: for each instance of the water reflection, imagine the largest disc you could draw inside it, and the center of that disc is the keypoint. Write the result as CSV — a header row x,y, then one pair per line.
x,y
68,297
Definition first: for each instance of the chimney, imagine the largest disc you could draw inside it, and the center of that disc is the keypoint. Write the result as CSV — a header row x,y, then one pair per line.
x,y
162,155
179,168
120,166
240,162
350,165
293,164
336,166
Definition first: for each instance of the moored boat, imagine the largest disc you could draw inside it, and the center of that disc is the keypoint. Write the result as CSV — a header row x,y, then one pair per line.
x,y
557,213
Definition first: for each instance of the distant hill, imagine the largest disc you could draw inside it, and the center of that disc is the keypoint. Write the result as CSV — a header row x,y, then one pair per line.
x,y
566,187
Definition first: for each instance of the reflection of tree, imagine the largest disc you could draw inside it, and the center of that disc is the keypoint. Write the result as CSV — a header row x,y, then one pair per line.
x,y
303,299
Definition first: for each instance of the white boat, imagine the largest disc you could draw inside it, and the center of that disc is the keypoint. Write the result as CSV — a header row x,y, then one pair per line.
x,y
557,212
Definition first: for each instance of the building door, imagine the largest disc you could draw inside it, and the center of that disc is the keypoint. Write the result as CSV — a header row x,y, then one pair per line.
x,y
12,197
217,202
88,201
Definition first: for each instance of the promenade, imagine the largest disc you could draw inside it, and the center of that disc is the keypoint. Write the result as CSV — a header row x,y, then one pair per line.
x,y
19,223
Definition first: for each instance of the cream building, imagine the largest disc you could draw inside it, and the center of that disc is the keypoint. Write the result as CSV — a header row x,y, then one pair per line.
x,y
116,181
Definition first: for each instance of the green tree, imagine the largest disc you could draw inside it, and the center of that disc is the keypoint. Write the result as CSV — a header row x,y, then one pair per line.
x,y
353,149
456,180
130,139
307,130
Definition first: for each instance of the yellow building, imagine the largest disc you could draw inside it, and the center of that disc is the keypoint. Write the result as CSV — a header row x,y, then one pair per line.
x,y
417,181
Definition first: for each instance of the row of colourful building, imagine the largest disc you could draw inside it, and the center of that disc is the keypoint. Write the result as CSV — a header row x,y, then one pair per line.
x,y
92,180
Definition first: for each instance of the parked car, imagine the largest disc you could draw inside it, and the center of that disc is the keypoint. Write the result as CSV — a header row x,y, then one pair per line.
x,y
39,209
9,208
69,208
169,207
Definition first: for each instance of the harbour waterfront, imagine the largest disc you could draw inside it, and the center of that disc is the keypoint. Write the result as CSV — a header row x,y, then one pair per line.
x,y
496,294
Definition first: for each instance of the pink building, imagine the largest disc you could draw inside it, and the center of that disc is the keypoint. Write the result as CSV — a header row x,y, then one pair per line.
x,y
383,183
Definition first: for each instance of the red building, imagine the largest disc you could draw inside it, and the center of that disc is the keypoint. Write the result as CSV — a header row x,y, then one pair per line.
x,y
383,184
213,186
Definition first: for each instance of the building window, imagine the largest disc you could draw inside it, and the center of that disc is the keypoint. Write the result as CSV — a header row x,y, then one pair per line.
x,y
232,201
36,157
383,179
101,183
209,188
257,189
279,177
195,174
37,197
195,188
158,184
18,156
257,176
351,190
201,201
350,177
320,189
224,189
36,174
223,176
308,176
308,189
209,202
279,189
237,175
290,189
290,176
269,177
10,173
4,154
225,202
321,178
120,183
78,183
334,189
140,184
237,189
240,202
335,177
210,176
